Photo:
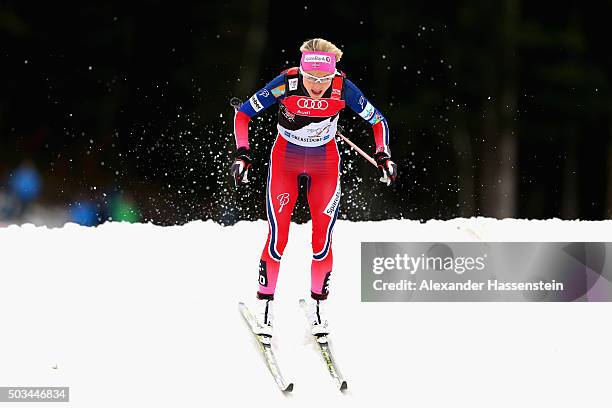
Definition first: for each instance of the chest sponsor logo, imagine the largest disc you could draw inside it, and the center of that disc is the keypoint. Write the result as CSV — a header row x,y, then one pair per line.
x,y
316,104
293,83
302,105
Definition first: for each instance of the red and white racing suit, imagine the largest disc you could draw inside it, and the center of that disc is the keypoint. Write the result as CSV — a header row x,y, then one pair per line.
x,y
304,147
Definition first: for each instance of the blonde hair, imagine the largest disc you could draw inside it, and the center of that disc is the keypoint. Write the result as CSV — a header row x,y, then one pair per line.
x,y
319,44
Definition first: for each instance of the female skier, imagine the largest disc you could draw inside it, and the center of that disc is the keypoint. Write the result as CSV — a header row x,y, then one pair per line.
x,y
310,98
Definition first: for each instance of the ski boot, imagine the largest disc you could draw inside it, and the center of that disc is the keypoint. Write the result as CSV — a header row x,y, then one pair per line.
x,y
316,316
264,315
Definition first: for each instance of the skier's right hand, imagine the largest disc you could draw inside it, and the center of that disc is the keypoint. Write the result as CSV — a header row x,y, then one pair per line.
x,y
387,168
240,167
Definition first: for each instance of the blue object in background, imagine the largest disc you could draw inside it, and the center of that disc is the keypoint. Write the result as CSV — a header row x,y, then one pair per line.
x,y
84,213
25,183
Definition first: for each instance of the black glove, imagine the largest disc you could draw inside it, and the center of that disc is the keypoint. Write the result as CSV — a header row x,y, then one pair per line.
x,y
387,168
240,167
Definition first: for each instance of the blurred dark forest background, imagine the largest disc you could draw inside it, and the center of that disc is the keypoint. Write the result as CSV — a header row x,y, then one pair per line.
x,y
120,111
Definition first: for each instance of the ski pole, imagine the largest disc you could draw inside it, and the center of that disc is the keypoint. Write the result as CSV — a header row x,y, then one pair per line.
x,y
357,149
366,156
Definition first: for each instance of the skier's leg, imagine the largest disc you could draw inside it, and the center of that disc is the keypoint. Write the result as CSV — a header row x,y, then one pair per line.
x,y
324,200
281,196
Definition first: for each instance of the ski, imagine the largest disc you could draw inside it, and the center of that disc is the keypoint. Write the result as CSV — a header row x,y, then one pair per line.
x,y
328,358
265,346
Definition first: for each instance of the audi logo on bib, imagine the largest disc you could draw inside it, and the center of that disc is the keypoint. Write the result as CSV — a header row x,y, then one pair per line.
x,y
305,103
319,108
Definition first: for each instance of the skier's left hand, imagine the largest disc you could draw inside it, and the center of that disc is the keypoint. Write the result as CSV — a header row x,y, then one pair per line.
x,y
240,167
387,168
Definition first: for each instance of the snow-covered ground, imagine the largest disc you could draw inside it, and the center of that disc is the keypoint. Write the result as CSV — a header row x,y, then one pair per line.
x,y
135,315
